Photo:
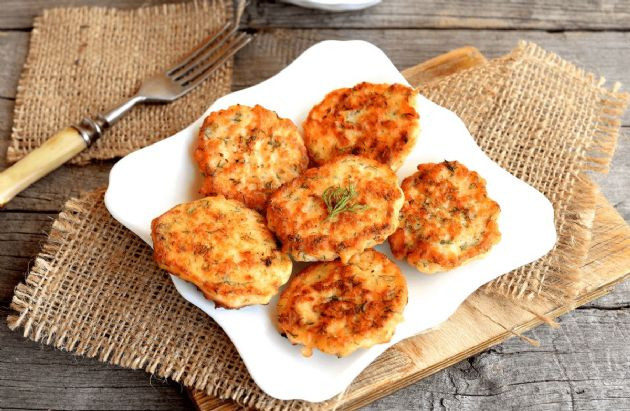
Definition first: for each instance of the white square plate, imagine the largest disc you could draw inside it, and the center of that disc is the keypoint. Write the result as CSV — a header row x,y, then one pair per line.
x,y
150,181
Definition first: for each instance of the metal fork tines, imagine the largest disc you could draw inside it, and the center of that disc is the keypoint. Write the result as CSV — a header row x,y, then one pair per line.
x,y
208,57
176,81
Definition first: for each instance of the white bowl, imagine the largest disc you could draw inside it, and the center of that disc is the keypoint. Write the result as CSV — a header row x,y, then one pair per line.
x,y
150,181
334,5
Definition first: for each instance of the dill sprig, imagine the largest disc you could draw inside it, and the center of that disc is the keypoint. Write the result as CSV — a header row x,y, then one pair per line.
x,y
339,199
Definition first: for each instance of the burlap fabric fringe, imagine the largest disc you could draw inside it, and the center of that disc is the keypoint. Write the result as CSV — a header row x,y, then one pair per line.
x,y
548,123
94,290
81,61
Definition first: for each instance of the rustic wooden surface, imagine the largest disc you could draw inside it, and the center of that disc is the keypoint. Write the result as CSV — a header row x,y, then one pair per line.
x,y
584,364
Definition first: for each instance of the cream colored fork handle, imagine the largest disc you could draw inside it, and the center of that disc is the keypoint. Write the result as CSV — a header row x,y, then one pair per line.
x,y
53,153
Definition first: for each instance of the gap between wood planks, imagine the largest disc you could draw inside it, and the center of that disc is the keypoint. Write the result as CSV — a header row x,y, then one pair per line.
x,y
604,53
429,14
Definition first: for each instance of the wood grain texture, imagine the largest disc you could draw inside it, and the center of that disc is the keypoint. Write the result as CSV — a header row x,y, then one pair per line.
x,y
21,237
38,377
598,52
575,368
538,14
486,381
445,65
616,184
19,14
592,344
13,49
459,14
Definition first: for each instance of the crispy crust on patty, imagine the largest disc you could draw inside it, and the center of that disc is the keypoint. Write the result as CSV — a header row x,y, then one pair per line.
x,y
447,220
378,121
223,248
300,217
246,153
339,308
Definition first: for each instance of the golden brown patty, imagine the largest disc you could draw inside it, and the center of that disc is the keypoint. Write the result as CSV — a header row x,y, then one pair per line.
x,y
246,153
223,248
378,121
336,210
339,308
447,220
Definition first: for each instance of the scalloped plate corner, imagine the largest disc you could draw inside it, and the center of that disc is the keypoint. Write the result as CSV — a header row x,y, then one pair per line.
x,y
150,181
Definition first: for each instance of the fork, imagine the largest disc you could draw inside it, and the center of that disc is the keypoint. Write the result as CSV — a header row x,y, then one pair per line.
x,y
162,87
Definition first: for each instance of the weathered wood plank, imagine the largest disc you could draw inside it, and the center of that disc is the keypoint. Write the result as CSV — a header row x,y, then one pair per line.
x,y
475,14
616,184
605,53
34,376
583,364
539,14
13,49
6,112
619,299
21,238
19,14
513,373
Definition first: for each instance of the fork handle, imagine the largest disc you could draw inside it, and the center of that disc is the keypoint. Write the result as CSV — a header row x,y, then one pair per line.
x,y
58,149
53,153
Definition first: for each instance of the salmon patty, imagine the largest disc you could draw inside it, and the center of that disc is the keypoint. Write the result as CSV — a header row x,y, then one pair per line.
x,y
447,220
223,248
339,308
336,210
378,121
246,153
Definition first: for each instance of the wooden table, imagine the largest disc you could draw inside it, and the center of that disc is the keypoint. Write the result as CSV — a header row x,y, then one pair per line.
x,y
584,364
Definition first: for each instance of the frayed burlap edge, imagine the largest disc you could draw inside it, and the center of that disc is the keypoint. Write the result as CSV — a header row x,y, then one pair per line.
x,y
28,297
24,296
561,284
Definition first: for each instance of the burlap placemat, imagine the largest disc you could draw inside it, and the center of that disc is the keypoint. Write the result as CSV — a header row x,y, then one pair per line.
x,y
82,61
94,290
547,122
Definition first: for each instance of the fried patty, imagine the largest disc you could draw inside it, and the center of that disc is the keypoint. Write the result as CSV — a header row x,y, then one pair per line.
x,y
246,153
339,308
447,220
336,210
223,248
378,121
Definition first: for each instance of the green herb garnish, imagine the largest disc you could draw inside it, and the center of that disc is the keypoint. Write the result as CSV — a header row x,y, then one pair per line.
x,y
339,199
